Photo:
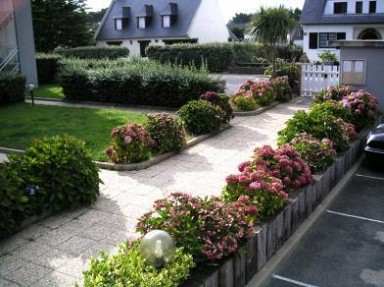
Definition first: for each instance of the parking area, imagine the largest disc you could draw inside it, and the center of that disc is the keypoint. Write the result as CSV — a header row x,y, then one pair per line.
x,y
345,246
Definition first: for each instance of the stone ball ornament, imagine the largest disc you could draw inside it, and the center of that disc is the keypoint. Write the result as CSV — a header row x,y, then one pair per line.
x,y
158,248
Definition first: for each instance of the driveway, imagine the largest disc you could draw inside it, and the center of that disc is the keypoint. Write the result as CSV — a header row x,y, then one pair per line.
x,y
345,247
233,82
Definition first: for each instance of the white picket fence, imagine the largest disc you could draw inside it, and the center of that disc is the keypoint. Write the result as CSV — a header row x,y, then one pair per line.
x,y
315,78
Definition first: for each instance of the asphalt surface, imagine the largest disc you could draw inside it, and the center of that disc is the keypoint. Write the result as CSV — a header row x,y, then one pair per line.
x,y
345,247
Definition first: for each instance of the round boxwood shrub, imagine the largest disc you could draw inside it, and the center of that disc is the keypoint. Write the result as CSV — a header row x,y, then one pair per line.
x,y
129,268
58,173
201,117
167,131
130,143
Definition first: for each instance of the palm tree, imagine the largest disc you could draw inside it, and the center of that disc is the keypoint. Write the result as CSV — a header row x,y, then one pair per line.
x,y
271,26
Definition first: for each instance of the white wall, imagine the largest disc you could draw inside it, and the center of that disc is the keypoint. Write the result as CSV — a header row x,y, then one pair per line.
x,y
313,53
208,24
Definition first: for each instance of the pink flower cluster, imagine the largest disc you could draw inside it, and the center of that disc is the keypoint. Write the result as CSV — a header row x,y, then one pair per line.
x,y
209,96
261,92
130,132
284,163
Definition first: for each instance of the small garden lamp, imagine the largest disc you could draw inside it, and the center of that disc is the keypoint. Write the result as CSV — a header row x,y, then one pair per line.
x,y
31,87
158,248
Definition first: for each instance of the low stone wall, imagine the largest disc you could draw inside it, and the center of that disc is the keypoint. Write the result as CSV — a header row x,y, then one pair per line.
x,y
271,234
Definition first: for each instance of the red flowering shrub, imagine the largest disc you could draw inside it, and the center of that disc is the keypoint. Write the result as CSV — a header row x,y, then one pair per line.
x,y
264,191
130,143
335,93
222,101
261,92
244,102
284,163
363,106
208,228
317,154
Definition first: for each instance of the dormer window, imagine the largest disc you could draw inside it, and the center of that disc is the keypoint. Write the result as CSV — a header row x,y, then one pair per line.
x,y
340,7
359,7
169,15
372,6
144,17
122,19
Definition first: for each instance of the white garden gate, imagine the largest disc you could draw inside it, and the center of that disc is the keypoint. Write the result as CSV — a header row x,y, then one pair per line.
x,y
315,78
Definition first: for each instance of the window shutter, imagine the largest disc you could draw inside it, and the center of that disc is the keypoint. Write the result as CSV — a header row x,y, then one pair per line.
x,y
341,36
312,40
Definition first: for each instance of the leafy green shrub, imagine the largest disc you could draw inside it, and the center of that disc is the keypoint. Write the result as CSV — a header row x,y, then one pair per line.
x,y
129,268
207,228
290,70
290,53
167,131
134,82
58,173
318,125
328,57
261,92
216,57
363,106
247,52
12,88
333,108
282,89
130,143
318,154
95,52
243,102
264,191
222,101
335,93
13,200
47,67
201,117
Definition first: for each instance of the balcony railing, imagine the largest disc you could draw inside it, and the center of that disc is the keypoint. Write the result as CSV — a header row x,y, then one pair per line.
x,y
5,18
8,59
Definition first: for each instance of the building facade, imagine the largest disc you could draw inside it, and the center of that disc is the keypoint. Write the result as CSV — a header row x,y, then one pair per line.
x,y
17,49
136,24
329,20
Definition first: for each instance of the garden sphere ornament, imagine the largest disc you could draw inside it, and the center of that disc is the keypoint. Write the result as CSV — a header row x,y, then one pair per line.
x,y
158,248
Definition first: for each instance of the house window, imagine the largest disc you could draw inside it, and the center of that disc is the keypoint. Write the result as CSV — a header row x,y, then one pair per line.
x,y
320,40
353,72
340,7
142,23
372,6
166,21
312,40
359,7
119,24
114,43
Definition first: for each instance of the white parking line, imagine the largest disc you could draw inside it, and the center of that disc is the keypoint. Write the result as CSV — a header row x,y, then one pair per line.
x,y
356,217
293,281
367,176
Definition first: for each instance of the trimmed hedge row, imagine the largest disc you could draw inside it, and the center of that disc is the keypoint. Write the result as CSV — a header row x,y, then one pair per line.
x,y
12,88
47,67
95,52
216,57
135,83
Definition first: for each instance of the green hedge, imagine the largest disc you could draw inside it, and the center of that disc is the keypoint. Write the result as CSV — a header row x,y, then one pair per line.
x,y
135,83
47,67
217,57
95,52
12,88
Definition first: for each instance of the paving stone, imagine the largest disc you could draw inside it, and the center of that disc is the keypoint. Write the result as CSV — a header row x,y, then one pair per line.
x,y
55,221
53,259
57,279
33,232
6,283
75,267
55,237
9,263
11,244
97,232
76,245
27,274
31,251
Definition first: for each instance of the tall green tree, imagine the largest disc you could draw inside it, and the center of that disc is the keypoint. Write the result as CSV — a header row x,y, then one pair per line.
x,y
240,18
60,23
271,26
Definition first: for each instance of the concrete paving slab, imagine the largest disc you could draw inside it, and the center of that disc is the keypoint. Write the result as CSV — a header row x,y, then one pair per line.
x,y
56,279
7,283
27,274
76,245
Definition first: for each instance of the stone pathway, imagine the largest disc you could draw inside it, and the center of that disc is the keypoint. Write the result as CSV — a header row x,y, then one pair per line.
x,y
54,251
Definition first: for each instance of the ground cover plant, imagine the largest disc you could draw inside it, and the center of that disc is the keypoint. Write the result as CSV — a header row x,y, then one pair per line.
x,y
20,123
52,91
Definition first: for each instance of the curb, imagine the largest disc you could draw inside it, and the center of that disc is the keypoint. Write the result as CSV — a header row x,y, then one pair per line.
x,y
256,112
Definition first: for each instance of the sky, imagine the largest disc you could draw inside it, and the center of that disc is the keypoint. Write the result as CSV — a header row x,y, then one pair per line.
x,y
228,7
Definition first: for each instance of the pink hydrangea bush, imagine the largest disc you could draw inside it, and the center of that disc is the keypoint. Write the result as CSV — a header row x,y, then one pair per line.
x,y
130,143
335,93
264,191
207,228
363,106
261,92
317,154
284,163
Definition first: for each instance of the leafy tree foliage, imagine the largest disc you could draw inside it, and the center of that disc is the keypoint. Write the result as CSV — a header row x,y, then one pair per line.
x,y
60,23
240,18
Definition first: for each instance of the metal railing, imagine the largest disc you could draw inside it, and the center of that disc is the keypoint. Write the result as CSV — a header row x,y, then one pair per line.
x,y
6,19
9,60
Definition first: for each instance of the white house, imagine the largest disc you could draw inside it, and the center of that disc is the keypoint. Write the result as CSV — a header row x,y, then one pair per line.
x,y
326,20
136,24
17,48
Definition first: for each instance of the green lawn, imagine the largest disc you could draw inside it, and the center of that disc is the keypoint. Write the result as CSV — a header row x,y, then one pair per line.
x,y
22,122
49,91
